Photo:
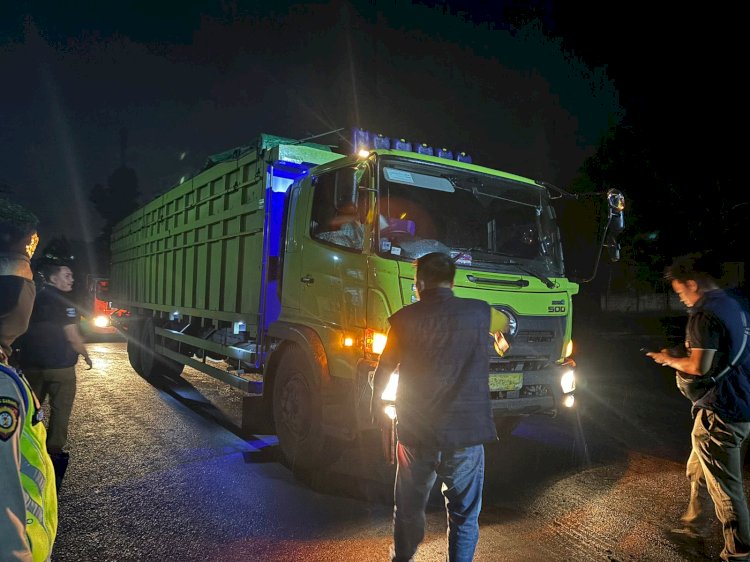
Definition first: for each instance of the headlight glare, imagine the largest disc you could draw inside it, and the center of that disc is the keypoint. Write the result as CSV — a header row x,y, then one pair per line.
x,y
389,394
101,321
375,341
568,381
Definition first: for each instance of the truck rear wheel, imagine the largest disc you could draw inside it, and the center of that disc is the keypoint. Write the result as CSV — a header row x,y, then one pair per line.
x,y
297,412
150,362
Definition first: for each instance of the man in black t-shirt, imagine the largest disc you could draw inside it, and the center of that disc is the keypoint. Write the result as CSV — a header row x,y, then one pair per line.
x,y
49,353
718,358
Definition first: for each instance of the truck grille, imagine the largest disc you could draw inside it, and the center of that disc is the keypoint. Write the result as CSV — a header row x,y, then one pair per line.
x,y
526,391
535,336
538,338
518,365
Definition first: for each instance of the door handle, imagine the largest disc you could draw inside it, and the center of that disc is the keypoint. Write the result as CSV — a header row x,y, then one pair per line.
x,y
307,280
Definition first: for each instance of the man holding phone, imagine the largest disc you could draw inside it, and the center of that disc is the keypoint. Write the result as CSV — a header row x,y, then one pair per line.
x,y
717,359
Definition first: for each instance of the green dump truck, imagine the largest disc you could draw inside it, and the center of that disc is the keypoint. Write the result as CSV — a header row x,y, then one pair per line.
x,y
276,267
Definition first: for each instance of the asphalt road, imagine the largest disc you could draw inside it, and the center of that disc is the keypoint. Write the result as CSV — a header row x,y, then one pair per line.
x,y
160,471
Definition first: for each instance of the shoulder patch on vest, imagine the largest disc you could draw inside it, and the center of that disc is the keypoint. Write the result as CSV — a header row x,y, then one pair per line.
x,y
71,312
8,417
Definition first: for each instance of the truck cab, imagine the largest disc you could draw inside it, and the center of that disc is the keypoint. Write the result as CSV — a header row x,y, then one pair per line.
x,y
344,283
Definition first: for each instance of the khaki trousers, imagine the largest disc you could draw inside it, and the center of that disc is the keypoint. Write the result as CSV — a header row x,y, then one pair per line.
x,y
719,446
60,386
696,516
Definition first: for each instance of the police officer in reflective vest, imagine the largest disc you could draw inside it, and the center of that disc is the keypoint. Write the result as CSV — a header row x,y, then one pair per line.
x,y
28,495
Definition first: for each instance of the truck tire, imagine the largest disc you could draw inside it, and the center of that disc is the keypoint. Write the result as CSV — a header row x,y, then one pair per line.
x,y
297,413
134,344
150,362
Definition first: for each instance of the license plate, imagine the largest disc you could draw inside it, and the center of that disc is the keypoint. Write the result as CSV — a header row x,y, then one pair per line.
x,y
512,381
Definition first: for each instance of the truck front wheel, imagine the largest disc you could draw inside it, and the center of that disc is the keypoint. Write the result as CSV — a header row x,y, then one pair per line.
x,y
297,412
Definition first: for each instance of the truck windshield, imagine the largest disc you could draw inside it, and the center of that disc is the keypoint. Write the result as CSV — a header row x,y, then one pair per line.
x,y
484,221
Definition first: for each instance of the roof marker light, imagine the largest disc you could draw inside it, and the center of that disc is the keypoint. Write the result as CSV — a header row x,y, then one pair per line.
x,y
381,142
361,140
402,144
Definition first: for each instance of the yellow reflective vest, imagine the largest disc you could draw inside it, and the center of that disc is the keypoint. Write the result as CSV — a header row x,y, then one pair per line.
x,y
37,474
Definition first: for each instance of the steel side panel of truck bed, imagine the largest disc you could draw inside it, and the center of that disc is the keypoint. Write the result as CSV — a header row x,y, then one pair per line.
x,y
198,249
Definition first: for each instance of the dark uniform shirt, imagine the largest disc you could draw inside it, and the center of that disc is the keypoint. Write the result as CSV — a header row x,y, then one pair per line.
x,y
715,322
45,345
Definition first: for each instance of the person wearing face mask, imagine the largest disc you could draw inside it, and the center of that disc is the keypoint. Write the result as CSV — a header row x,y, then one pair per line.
x,y
28,493
50,348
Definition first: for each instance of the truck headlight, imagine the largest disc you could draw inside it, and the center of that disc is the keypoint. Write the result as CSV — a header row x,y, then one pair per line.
x,y
389,394
568,381
375,341
101,321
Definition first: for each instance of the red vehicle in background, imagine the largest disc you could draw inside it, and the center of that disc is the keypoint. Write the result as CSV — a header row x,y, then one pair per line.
x,y
98,317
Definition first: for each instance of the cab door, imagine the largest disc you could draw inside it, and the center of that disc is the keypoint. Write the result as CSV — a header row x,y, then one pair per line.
x,y
334,250
295,224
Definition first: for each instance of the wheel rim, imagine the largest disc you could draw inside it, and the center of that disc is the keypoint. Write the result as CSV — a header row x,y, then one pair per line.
x,y
295,406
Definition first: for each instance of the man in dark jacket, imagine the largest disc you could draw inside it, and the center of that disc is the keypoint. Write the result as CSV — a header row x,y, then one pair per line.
x,y
718,352
440,347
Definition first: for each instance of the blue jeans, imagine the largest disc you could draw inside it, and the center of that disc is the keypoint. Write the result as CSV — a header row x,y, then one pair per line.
x,y
461,472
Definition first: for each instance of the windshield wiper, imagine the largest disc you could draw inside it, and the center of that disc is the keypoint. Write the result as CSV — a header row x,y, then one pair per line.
x,y
481,250
544,279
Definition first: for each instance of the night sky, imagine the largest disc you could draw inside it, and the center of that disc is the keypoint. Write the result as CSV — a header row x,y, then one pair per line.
x,y
189,79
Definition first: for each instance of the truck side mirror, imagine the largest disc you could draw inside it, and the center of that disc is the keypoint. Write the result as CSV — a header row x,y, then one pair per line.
x,y
616,224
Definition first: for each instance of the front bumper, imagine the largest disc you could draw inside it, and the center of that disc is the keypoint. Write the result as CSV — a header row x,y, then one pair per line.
x,y
540,394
